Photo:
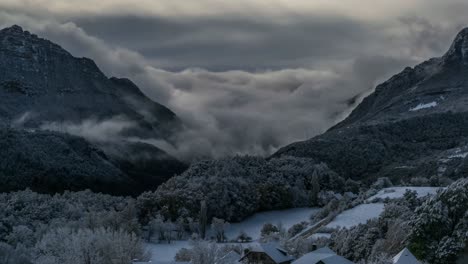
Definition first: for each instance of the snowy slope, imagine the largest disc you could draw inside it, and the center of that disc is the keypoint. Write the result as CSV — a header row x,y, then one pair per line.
x,y
398,192
357,215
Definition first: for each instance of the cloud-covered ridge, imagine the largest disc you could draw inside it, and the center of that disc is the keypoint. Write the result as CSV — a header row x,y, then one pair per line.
x,y
296,77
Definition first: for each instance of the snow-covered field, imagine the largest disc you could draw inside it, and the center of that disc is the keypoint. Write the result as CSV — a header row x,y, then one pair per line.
x,y
398,192
165,253
252,225
357,215
361,213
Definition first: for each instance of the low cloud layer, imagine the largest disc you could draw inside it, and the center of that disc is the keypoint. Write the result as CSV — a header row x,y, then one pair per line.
x,y
246,84
93,129
238,112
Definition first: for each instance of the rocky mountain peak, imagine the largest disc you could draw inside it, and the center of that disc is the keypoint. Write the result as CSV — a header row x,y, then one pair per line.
x,y
35,66
15,29
52,82
21,43
458,51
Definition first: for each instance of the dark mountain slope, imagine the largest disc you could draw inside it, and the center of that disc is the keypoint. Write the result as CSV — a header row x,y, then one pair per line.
x,y
53,162
414,124
39,77
43,87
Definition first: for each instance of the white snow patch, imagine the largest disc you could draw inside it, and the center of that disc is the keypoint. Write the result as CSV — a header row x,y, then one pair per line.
x,y
458,155
423,106
398,192
357,215
252,225
404,167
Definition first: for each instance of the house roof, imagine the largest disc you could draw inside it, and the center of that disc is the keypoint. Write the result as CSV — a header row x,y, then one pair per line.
x,y
277,254
325,255
405,257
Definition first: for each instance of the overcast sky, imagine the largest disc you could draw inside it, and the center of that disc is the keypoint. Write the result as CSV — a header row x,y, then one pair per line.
x,y
247,77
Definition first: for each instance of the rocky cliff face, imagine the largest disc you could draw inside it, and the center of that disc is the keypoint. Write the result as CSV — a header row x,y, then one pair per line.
x,y
414,124
42,86
39,77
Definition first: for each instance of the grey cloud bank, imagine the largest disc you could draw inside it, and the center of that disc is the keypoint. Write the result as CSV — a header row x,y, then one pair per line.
x,y
246,84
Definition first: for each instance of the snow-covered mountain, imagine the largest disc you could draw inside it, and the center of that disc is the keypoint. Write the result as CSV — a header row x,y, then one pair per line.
x,y
414,124
67,126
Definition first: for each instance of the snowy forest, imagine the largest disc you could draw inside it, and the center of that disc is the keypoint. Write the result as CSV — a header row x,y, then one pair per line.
x,y
233,132
87,227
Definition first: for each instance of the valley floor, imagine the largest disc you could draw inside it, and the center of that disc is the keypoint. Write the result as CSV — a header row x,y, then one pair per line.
x,y
165,253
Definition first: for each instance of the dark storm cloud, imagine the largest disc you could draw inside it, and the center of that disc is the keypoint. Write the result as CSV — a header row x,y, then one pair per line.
x,y
247,84
227,42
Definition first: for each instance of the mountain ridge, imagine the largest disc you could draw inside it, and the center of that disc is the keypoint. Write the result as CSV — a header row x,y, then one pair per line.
x,y
412,125
43,88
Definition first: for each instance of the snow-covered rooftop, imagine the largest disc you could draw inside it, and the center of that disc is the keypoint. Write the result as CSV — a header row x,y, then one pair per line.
x,y
322,255
405,257
273,250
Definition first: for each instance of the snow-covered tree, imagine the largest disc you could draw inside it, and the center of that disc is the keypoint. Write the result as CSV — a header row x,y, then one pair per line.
x,y
243,237
237,187
219,226
384,236
439,229
100,246
203,252
12,255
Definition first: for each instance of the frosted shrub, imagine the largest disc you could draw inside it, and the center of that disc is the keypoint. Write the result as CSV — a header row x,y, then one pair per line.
x,y
100,246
